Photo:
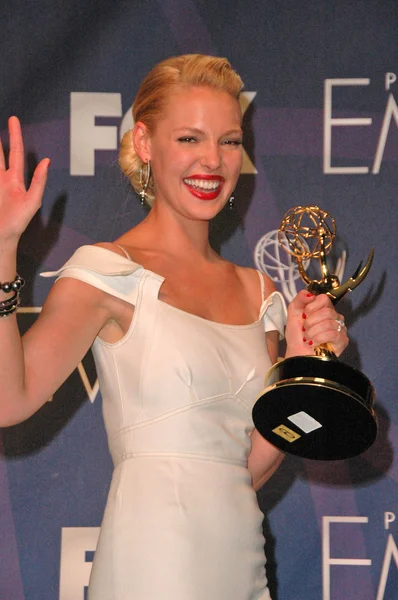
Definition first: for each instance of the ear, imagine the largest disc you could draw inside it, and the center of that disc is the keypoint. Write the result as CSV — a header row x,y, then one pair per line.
x,y
142,141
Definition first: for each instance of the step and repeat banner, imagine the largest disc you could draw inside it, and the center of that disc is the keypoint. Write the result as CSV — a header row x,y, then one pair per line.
x,y
320,127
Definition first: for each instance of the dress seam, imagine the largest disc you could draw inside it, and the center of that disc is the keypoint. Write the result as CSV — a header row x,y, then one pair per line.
x,y
177,411
186,455
116,559
119,387
147,351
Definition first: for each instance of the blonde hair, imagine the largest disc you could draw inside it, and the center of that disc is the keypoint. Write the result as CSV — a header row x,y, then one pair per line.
x,y
152,96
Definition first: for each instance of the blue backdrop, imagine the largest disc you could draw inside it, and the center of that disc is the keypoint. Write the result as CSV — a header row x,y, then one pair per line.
x,y
320,122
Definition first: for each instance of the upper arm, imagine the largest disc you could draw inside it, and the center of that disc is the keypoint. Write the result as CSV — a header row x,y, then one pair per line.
x,y
71,318
264,458
272,340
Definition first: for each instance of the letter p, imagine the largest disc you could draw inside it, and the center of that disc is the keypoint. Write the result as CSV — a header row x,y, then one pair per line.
x,y
389,80
389,517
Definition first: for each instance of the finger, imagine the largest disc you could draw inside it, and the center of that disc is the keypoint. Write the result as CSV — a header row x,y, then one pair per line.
x,y
2,158
339,343
321,315
327,332
301,301
326,318
320,301
16,158
38,183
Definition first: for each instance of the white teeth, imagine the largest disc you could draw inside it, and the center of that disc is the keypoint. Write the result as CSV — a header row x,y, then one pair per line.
x,y
204,184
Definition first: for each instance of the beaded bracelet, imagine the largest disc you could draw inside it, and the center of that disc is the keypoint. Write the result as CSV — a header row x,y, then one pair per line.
x,y
12,286
8,301
10,305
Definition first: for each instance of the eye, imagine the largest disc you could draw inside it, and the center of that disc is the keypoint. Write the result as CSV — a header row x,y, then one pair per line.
x,y
187,139
233,142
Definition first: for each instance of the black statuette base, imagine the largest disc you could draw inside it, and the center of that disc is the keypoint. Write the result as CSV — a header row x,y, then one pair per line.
x,y
317,408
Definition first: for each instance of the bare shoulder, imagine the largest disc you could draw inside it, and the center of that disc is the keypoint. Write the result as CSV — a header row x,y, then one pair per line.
x,y
94,312
113,247
68,291
252,279
128,248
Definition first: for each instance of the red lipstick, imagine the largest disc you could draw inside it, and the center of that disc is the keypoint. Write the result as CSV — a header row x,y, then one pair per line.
x,y
202,192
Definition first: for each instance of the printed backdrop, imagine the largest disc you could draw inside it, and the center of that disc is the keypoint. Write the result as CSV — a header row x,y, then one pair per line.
x,y
320,122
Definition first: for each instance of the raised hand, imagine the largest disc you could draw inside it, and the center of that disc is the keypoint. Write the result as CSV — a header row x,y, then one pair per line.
x,y
18,204
311,321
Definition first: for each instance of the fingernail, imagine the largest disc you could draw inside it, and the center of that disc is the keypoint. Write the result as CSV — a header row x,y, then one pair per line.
x,y
304,316
309,295
303,328
304,339
310,343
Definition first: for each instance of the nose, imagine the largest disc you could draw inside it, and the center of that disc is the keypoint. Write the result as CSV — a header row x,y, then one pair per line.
x,y
211,156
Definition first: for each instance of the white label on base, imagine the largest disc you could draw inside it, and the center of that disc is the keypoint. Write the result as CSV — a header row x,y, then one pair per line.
x,y
305,422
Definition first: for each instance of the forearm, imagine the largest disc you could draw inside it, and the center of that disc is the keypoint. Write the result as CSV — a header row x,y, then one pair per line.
x,y
11,354
263,477
263,461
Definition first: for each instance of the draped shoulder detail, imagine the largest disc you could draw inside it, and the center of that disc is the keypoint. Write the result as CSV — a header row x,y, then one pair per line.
x,y
273,313
99,260
106,270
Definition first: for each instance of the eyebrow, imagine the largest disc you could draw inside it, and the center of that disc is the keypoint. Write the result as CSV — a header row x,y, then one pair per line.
x,y
196,130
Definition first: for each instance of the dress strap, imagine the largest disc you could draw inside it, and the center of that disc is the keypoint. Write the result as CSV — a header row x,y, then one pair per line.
x,y
262,284
123,250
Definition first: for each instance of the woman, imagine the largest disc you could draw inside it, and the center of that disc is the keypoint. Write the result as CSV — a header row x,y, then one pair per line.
x,y
179,344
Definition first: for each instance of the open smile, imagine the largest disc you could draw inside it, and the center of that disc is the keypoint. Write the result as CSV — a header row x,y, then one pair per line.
x,y
205,187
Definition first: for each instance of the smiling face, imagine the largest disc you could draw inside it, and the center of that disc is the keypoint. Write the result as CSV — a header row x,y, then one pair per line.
x,y
195,151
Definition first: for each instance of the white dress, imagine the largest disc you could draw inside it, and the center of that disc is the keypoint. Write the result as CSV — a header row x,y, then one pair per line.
x,y
182,521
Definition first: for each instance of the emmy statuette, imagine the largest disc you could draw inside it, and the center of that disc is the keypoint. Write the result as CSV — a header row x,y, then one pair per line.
x,y
316,406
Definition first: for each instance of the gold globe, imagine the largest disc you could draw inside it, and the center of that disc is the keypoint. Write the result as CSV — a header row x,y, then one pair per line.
x,y
309,232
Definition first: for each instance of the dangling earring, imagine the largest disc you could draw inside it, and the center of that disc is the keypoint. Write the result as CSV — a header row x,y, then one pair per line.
x,y
231,202
144,180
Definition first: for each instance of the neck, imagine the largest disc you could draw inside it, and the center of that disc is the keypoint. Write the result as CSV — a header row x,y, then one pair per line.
x,y
172,233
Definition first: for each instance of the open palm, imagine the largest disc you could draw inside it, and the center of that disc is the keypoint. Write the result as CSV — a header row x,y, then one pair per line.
x,y
18,204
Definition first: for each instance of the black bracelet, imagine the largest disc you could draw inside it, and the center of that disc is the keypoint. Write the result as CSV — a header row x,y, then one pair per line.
x,y
6,303
8,307
12,286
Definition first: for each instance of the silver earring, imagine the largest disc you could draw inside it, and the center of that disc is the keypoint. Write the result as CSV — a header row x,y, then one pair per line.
x,y
231,202
144,180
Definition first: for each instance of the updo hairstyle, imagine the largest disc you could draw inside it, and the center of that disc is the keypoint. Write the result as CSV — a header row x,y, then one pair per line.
x,y
152,96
